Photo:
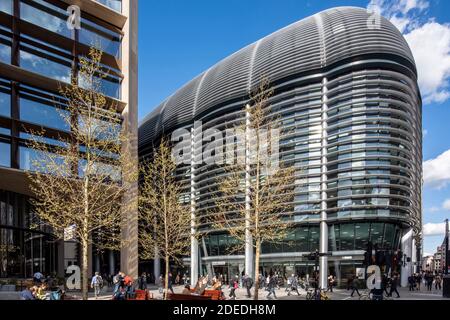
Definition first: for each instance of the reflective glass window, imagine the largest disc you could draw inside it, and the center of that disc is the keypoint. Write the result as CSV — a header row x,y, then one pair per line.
x,y
113,4
5,154
5,131
361,235
31,160
5,46
43,114
45,15
92,34
313,238
57,69
347,236
376,233
301,235
389,234
6,6
5,104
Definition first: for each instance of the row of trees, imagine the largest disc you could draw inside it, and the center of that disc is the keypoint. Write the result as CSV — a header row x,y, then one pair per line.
x,y
80,183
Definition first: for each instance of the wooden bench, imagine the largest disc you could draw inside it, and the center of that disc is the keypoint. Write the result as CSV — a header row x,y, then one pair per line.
x,y
142,295
176,296
214,294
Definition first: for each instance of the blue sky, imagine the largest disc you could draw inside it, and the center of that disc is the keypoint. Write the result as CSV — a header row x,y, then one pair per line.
x,y
179,39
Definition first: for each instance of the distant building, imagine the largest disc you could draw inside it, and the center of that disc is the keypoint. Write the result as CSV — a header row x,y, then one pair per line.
x,y
438,259
428,263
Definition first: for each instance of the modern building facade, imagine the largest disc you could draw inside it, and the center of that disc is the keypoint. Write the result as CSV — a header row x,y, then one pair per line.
x,y
38,52
345,89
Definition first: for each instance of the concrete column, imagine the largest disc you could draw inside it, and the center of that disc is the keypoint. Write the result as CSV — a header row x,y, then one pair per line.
x,y
129,259
112,263
323,241
407,247
97,263
61,260
156,265
194,241
248,235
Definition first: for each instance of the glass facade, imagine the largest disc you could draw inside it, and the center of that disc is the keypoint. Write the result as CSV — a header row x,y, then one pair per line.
x,y
350,112
113,4
26,246
49,49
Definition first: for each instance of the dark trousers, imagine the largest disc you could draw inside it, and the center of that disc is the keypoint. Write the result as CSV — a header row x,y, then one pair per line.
x,y
233,293
429,286
272,291
437,286
170,288
394,290
248,292
411,287
293,289
353,291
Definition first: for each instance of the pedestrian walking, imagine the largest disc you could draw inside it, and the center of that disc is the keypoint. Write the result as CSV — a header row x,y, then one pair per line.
x,y
272,285
97,284
394,285
411,282
418,281
143,281
234,284
437,283
170,283
429,280
293,282
385,284
118,282
330,283
353,286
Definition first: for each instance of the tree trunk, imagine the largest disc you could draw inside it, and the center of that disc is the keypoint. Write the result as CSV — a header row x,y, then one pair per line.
x,y
257,254
166,279
84,270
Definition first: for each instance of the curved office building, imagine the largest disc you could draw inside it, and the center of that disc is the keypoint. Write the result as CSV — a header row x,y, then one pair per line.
x,y
345,88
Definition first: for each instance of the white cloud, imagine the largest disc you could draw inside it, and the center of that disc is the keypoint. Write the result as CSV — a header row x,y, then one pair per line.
x,y
429,42
434,229
436,172
446,204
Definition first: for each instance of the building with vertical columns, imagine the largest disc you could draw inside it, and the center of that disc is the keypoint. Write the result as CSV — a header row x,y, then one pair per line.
x,y
38,51
345,89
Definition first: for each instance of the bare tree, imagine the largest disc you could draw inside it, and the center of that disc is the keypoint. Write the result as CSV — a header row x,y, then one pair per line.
x,y
255,196
164,217
79,182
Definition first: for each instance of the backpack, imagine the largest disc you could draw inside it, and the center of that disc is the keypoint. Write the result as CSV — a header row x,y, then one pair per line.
x,y
128,281
100,281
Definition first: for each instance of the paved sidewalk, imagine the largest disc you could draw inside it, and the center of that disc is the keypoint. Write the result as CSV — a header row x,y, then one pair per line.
x,y
241,294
